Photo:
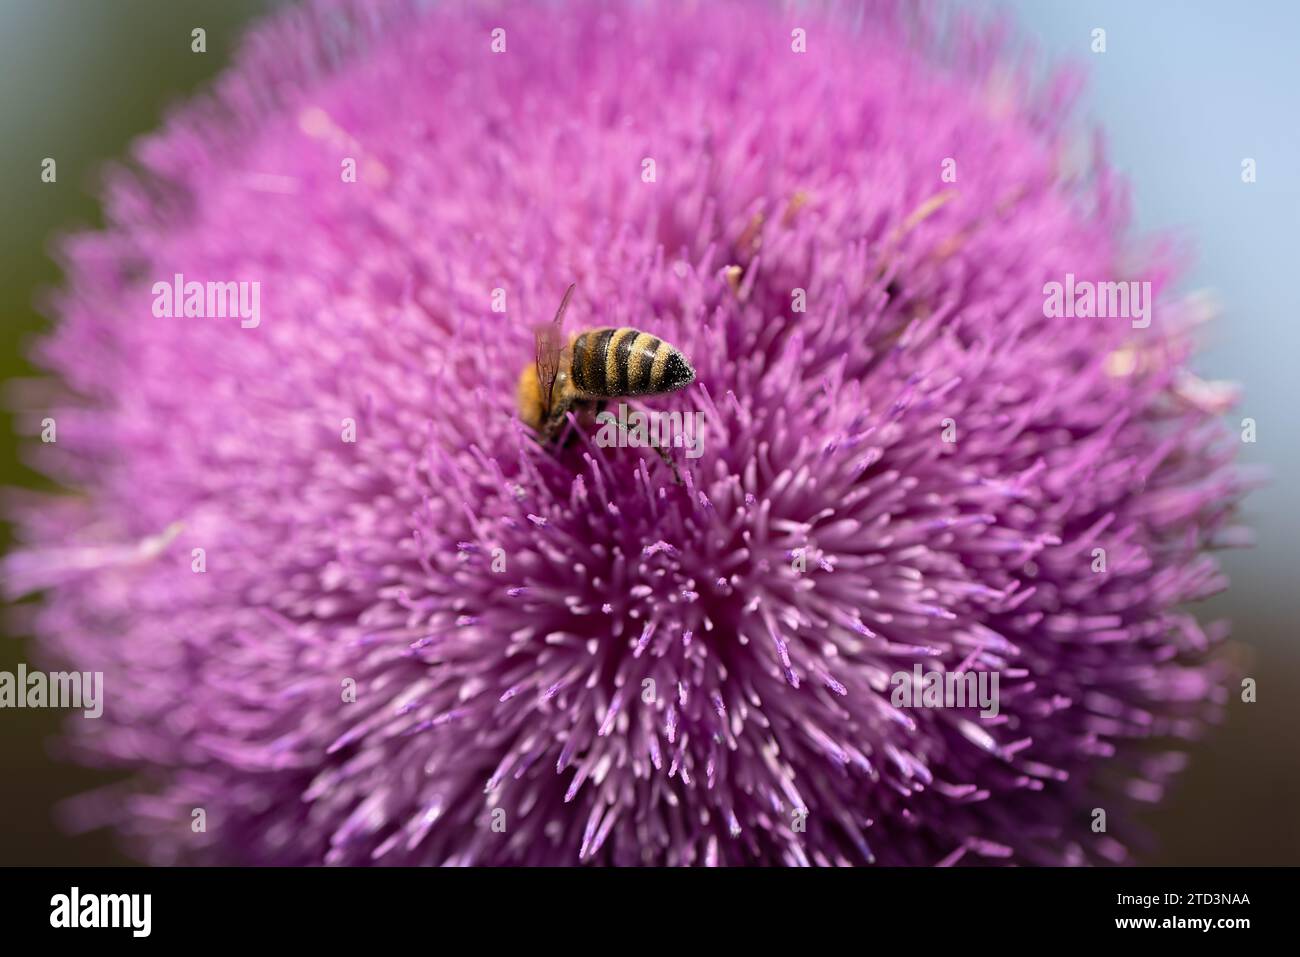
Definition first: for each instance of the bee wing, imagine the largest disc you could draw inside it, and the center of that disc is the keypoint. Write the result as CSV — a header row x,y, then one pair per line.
x,y
549,341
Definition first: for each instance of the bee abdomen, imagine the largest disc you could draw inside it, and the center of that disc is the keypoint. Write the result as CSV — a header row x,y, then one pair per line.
x,y
626,361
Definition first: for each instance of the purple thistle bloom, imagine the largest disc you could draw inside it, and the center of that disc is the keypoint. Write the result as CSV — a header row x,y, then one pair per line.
x,y
443,644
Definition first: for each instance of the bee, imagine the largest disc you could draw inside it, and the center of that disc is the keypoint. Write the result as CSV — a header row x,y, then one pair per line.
x,y
593,366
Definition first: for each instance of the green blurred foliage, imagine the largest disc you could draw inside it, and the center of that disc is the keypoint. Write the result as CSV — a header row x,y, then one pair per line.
x,y
79,80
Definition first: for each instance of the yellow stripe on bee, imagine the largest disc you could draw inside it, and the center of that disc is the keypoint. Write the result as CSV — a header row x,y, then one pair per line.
x,y
611,357
661,360
640,356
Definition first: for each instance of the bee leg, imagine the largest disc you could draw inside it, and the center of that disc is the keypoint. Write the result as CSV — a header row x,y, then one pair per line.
x,y
554,426
668,459
671,463
558,418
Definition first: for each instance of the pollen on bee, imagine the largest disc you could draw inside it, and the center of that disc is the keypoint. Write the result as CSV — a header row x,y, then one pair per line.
x,y
528,398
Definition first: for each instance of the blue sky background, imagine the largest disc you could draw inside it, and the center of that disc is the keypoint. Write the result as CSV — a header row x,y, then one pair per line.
x,y
1185,90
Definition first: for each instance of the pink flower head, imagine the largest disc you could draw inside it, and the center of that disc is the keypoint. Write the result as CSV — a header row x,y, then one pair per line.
x,y
348,605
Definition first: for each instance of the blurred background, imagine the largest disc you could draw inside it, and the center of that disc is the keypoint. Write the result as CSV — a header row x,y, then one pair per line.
x,y
1185,90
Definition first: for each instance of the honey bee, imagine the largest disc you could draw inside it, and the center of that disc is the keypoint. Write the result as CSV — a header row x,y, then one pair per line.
x,y
595,365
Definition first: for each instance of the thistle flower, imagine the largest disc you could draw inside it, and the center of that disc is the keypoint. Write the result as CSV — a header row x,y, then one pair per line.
x,y
349,607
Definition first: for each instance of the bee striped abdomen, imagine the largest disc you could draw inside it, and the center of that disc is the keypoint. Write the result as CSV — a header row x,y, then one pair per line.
x,y
626,361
